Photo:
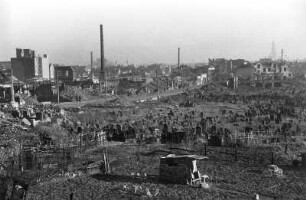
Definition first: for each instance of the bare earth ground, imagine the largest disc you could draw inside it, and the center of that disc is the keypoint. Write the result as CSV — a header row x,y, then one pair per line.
x,y
131,98
229,179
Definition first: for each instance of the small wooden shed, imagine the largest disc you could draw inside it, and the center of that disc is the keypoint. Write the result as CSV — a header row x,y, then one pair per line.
x,y
303,155
179,169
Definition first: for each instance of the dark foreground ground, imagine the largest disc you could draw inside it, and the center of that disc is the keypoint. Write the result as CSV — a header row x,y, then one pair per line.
x,y
229,179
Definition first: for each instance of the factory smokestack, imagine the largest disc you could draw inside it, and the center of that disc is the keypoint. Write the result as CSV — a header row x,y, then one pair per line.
x,y
178,57
102,57
91,63
178,62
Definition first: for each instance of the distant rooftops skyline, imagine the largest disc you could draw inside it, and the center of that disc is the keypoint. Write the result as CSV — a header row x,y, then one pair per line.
x,y
137,31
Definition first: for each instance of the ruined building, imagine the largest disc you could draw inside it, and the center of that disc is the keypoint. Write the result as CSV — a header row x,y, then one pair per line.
x,y
224,67
67,74
274,68
28,66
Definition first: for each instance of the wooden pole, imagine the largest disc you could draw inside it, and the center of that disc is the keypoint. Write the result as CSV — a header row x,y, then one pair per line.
x,y
205,152
12,86
157,81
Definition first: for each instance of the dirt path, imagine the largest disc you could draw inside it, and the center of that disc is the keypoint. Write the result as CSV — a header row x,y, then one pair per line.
x,y
82,103
164,94
130,98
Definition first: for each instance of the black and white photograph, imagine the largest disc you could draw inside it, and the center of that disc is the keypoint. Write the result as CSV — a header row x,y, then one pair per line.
x,y
152,100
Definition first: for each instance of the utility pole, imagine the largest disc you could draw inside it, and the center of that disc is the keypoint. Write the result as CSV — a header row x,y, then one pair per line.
x,y
49,72
157,81
12,87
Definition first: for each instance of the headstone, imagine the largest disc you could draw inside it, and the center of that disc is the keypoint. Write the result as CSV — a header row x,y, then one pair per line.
x,y
26,122
62,112
47,119
34,122
59,121
303,155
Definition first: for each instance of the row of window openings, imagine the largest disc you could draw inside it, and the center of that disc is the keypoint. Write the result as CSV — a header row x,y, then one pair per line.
x,y
269,69
273,65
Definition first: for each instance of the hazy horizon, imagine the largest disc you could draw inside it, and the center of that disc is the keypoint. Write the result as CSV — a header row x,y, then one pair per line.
x,y
150,31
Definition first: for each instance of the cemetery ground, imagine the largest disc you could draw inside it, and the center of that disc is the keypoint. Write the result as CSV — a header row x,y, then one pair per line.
x,y
235,172
229,177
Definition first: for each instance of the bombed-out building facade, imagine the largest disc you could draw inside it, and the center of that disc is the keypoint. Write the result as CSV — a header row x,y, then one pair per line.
x,y
27,65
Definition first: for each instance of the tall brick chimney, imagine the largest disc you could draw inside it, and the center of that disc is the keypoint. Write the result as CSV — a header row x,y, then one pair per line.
x,y
102,78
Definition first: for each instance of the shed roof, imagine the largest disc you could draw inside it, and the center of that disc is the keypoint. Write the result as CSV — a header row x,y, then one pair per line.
x,y
193,157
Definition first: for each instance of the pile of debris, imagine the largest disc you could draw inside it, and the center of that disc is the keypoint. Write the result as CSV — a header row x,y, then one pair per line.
x,y
12,139
27,100
73,93
214,88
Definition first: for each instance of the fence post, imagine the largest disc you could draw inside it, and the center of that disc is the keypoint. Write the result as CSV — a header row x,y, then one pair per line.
x,y
205,150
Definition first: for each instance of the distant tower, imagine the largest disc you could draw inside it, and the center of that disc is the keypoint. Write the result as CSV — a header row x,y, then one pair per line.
x,y
282,55
273,52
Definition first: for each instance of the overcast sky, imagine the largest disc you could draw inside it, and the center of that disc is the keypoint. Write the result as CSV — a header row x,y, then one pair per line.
x,y
148,31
